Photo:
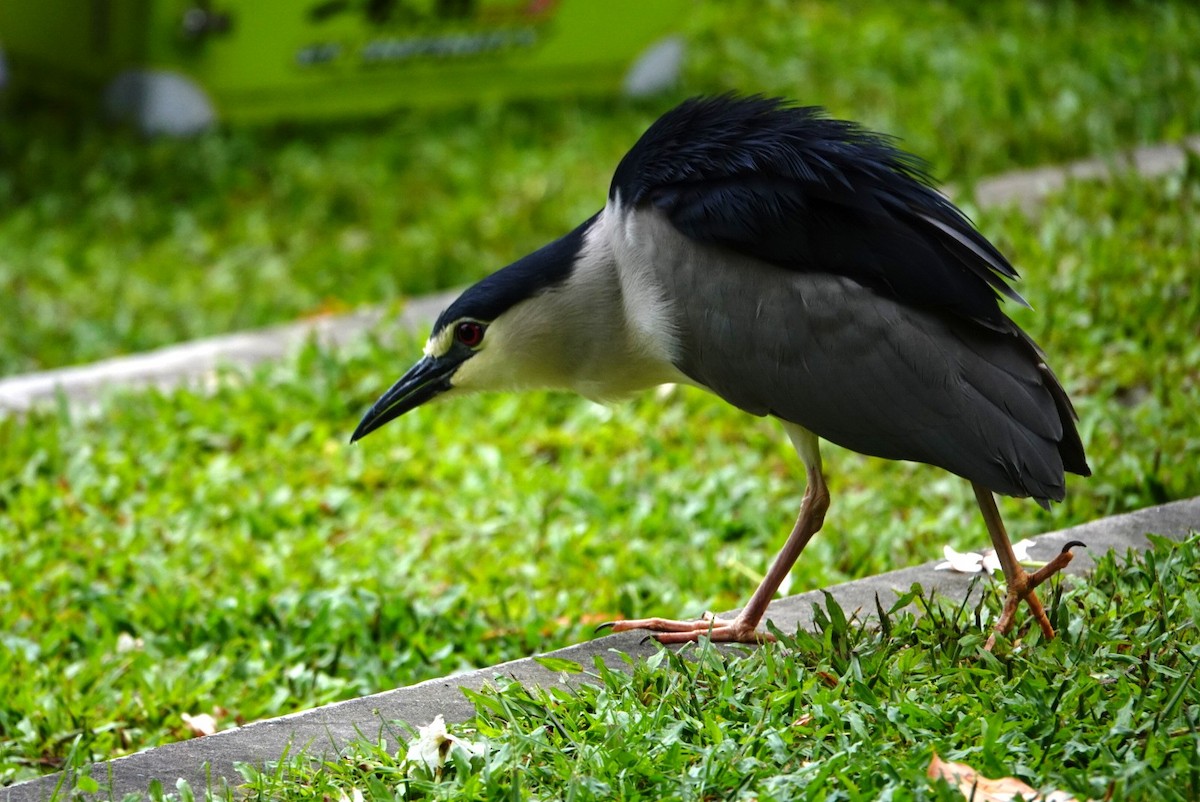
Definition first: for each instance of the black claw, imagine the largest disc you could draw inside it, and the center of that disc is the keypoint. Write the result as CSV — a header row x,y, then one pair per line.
x,y
605,625
649,638
1072,545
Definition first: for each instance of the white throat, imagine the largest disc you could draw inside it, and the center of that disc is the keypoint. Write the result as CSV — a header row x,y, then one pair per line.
x,y
605,332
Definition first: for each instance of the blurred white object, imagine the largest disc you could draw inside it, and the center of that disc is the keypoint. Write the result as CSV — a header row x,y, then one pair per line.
x,y
656,69
200,725
159,102
982,562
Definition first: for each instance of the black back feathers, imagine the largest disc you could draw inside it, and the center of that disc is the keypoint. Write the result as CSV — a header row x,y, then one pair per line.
x,y
792,187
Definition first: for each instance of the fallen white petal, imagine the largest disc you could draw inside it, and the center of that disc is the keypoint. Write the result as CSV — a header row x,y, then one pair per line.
x,y
1021,549
963,563
785,587
200,725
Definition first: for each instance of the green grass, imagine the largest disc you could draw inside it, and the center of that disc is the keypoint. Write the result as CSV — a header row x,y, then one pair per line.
x,y
1108,710
223,547
263,565
110,244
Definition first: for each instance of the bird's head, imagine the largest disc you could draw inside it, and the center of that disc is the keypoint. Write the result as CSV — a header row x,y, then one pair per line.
x,y
511,330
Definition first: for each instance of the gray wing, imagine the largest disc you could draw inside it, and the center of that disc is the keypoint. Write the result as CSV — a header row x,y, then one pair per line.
x,y
871,374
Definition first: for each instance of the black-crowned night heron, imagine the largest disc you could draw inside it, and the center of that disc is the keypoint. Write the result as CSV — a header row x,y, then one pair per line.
x,y
798,267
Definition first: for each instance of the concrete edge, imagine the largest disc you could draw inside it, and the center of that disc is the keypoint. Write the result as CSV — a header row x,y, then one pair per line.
x,y
1026,188
324,731
197,360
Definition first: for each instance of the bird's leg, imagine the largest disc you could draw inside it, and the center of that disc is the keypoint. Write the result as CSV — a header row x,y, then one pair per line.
x,y
1021,584
743,628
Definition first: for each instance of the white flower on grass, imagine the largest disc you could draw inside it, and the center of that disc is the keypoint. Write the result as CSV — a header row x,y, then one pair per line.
x,y
355,795
980,562
433,745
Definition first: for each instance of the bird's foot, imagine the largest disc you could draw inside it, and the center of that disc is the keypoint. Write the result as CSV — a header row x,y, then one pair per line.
x,y
666,630
1021,587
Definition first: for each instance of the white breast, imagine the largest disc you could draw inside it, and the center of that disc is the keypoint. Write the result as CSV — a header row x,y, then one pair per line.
x,y
643,344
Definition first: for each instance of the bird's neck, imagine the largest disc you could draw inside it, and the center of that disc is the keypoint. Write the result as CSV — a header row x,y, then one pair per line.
x,y
622,339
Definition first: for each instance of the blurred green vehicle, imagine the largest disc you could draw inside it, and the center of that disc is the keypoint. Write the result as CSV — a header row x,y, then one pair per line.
x,y
176,66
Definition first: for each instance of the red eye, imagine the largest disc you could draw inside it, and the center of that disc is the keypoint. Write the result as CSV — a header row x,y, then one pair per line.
x,y
469,333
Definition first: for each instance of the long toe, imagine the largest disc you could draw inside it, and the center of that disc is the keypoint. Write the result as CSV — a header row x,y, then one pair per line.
x,y
672,631
1054,566
1021,587
659,625
1012,600
720,632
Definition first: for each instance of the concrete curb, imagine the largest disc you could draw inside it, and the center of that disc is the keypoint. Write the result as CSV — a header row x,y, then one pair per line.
x,y
323,731
196,360
1026,188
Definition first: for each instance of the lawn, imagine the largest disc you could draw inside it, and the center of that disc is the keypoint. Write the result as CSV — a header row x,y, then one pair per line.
x,y
225,547
1109,710
110,244
222,548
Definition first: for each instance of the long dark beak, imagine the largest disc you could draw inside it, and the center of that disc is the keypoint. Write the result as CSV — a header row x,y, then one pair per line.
x,y
424,380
